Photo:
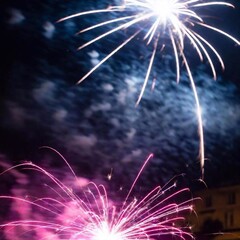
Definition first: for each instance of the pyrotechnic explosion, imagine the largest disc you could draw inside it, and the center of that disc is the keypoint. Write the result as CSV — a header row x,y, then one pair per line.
x,y
158,20
91,215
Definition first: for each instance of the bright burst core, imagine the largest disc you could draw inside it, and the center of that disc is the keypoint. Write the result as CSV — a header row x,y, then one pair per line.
x,y
163,9
104,233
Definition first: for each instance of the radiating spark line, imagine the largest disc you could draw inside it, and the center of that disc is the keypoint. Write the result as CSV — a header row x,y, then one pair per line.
x,y
195,40
105,23
107,57
199,115
97,218
138,175
148,73
123,26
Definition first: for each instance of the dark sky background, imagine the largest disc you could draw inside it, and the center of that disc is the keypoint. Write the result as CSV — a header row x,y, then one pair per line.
x,y
96,125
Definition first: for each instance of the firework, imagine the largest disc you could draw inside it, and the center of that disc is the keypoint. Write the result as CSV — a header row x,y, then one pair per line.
x,y
91,215
158,20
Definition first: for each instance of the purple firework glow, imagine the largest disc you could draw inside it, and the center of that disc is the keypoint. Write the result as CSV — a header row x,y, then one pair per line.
x,y
91,215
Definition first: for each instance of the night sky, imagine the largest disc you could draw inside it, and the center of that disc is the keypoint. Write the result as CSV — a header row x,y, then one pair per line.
x,y
95,125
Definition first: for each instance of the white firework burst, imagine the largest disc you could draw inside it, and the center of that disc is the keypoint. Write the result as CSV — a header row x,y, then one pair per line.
x,y
174,20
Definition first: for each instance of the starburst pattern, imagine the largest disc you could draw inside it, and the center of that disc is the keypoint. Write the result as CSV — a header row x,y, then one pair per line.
x,y
174,20
91,215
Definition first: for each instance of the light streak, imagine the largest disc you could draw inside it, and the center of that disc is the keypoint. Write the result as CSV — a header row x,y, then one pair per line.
x,y
91,215
174,20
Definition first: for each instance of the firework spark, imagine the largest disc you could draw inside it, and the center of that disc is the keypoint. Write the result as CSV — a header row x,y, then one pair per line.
x,y
175,20
91,215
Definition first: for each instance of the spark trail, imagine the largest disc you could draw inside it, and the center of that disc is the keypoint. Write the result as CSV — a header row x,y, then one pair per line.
x,y
91,215
158,20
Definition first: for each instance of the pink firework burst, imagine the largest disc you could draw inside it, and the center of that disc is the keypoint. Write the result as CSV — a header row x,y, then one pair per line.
x,y
62,214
